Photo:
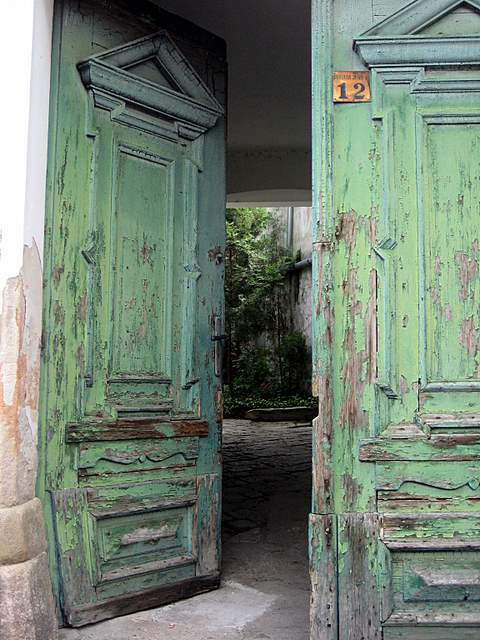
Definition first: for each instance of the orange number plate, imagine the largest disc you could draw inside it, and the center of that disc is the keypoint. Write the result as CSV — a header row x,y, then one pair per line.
x,y
351,86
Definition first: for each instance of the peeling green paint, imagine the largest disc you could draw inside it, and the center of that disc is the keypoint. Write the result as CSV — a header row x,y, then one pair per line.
x,y
396,324
130,461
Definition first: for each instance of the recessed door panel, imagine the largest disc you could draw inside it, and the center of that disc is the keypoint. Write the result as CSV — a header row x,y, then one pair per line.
x,y
143,227
452,212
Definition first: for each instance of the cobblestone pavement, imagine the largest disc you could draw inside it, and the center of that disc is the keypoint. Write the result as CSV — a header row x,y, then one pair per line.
x,y
261,461
267,488
265,589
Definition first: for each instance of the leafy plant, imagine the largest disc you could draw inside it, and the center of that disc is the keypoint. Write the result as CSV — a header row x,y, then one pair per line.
x,y
294,357
254,280
266,365
252,371
235,406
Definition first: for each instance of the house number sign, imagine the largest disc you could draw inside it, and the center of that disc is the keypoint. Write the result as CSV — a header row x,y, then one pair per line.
x,y
351,86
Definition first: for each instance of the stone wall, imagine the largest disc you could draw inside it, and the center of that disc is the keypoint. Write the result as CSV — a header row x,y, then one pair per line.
x,y
26,601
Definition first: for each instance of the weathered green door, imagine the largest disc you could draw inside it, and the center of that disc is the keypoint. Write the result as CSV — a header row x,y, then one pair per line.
x,y
395,529
134,295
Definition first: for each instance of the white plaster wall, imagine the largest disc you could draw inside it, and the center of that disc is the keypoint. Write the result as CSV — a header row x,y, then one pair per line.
x,y
16,31
25,40
302,227
38,124
26,601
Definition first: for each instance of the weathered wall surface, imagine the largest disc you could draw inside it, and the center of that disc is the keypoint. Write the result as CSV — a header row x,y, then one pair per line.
x,y
26,603
302,288
295,234
300,280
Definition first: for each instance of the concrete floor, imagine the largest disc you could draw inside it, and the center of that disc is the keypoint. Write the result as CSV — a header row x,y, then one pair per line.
x,y
265,590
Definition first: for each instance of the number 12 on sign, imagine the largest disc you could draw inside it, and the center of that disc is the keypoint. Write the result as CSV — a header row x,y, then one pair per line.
x,y
351,86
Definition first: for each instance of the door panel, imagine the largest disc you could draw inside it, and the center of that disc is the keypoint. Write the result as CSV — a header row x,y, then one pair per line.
x,y
139,194
451,198
131,452
397,468
141,293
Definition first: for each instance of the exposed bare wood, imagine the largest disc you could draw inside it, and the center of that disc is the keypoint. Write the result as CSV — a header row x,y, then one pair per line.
x,y
360,595
323,580
127,603
136,428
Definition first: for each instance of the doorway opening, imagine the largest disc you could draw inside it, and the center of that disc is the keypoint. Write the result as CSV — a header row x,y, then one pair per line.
x,y
268,411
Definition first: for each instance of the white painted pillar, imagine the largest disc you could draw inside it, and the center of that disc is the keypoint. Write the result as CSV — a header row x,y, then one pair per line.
x,y
26,602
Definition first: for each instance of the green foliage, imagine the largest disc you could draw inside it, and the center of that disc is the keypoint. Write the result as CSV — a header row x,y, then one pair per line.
x,y
294,358
236,405
274,373
254,267
252,370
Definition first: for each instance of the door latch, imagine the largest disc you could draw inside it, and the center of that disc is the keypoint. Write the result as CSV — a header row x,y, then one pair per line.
x,y
218,339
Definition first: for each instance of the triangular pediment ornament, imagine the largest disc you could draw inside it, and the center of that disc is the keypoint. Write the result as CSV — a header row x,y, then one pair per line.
x,y
463,20
152,74
425,32
417,16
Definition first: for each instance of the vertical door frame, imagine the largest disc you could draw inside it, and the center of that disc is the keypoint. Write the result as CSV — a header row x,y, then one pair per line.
x,y
323,521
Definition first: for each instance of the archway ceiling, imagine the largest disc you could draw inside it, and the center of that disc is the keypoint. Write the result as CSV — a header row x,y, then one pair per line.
x,y
268,45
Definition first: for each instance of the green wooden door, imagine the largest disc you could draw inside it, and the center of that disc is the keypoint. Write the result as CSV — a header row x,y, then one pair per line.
x,y
134,293
395,536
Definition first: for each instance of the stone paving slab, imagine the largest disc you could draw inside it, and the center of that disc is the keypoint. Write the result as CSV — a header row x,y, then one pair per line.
x,y
265,590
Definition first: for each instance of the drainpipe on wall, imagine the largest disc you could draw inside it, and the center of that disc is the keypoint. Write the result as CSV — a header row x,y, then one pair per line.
x,y
290,221
301,264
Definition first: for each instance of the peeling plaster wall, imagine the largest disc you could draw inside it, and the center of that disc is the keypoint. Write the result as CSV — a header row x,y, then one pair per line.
x,y
20,335
300,282
302,240
26,603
